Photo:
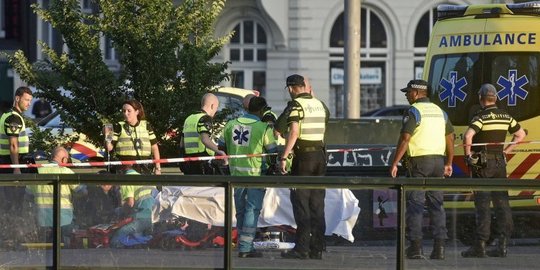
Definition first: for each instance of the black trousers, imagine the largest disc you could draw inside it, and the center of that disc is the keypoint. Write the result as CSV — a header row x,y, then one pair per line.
x,y
196,167
495,168
11,197
308,204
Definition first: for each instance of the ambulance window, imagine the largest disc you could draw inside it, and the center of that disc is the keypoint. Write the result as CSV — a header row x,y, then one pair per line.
x,y
453,80
516,77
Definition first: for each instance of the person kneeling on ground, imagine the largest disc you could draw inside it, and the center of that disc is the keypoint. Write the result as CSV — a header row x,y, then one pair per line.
x,y
137,204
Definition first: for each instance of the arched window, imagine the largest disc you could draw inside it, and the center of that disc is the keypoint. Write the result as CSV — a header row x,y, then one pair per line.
x,y
421,40
374,63
247,53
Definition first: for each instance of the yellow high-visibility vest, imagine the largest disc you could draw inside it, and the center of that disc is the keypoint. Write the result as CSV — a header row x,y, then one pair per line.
x,y
428,137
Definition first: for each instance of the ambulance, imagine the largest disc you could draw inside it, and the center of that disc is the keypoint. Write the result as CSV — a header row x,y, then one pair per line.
x,y
497,44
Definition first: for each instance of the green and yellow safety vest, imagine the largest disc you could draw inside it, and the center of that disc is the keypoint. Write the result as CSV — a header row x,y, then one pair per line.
x,y
43,194
128,139
192,141
247,135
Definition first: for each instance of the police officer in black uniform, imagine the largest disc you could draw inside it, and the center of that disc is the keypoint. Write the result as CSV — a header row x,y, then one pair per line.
x,y
488,161
306,119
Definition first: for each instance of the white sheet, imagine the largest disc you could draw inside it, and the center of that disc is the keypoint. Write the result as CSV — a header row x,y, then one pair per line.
x,y
207,205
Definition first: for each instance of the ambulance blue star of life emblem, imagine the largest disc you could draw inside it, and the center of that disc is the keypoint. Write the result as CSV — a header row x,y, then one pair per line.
x,y
512,87
453,89
241,135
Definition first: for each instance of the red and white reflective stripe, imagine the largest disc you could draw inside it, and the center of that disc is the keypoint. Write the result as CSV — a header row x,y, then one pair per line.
x,y
130,162
187,159
500,143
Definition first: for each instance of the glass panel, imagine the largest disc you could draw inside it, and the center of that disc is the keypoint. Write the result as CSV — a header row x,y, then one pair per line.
x,y
259,82
363,27
516,77
261,35
236,36
248,32
372,89
235,54
237,78
261,55
457,69
248,54
377,33
421,36
337,36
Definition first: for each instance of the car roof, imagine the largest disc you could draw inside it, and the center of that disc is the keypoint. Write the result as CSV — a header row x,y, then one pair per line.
x,y
237,91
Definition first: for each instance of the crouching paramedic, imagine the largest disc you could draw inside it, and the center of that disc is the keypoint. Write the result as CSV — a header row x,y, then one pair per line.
x,y
138,202
43,197
242,136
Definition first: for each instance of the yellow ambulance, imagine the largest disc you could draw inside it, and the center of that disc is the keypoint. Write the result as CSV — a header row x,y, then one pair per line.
x,y
497,44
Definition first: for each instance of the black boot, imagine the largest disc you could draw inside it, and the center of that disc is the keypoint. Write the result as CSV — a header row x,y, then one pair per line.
x,y
438,250
500,250
414,251
478,250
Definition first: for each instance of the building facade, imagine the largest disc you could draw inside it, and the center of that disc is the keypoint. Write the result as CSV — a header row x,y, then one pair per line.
x,y
276,38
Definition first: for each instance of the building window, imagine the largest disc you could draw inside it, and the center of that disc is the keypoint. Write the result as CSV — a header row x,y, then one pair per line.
x,y
110,52
374,62
421,40
247,53
2,20
11,19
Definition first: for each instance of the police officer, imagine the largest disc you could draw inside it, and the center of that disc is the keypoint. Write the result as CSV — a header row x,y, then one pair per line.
x,y
197,137
488,161
43,197
134,138
426,136
306,119
248,135
14,144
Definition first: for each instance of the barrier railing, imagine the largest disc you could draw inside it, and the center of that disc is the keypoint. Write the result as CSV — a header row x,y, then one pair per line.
x,y
401,185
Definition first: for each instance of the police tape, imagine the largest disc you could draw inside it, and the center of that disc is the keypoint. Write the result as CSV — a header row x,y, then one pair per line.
x,y
210,158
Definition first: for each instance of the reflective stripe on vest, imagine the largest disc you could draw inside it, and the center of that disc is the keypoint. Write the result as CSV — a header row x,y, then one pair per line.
x,y
125,145
192,141
43,194
429,136
140,192
23,139
312,126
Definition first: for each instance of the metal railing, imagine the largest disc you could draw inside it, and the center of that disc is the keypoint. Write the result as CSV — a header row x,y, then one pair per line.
x,y
401,185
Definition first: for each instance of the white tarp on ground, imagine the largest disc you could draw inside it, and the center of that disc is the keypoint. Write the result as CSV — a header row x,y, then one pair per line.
x,y
207,205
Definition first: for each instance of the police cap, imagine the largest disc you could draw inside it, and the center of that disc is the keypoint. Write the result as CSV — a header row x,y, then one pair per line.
x,y
416,84
487,89
296,80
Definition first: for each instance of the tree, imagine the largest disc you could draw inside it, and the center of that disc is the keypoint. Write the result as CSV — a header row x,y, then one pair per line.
x,y
165,53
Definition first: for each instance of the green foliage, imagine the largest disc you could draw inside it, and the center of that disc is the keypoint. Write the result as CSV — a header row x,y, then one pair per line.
x,y
165,52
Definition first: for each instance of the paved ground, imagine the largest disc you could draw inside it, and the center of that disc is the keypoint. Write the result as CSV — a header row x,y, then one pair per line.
x,y
370,255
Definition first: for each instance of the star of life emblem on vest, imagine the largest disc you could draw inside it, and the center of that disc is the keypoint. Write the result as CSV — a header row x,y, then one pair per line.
x,y
241,135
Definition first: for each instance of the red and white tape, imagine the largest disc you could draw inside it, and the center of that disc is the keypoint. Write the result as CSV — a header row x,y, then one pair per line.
x,y
188,159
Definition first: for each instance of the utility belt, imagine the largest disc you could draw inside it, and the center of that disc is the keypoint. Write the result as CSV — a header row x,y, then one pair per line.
x,y
407,160
303,146
480,159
